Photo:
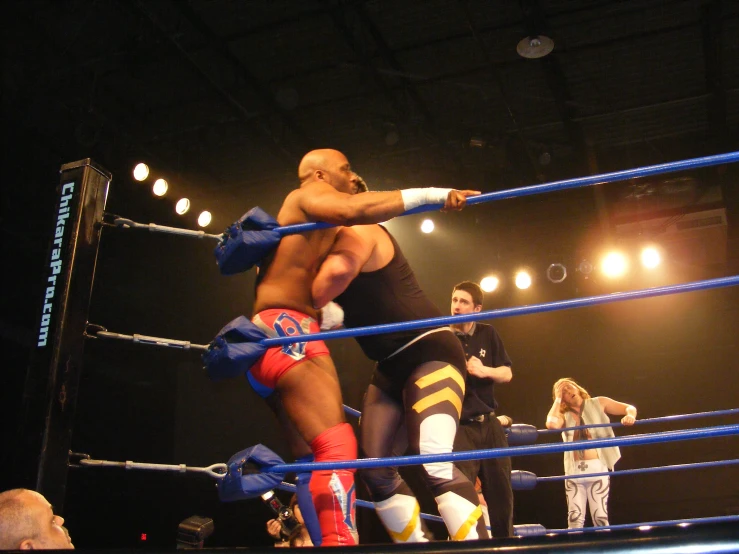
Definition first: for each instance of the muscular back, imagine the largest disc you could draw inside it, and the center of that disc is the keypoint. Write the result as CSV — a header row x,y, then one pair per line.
x,y
285,281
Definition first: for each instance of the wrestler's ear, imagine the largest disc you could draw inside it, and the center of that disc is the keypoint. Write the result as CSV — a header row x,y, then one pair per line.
x,y
319,175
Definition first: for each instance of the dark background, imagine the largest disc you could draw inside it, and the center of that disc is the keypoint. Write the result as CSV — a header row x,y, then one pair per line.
x,y
222,98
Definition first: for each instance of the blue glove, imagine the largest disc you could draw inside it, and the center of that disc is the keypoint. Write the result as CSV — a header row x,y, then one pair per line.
x,y
242,482
234,350
247,242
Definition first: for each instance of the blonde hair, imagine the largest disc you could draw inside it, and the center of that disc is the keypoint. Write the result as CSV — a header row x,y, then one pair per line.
x,y
563,407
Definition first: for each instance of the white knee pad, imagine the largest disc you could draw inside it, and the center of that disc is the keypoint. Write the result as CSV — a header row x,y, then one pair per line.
x,y
437,437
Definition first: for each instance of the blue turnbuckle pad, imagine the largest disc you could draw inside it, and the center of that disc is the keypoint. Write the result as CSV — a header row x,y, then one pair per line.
x,y
247,242
522,480
520,434
234,350
245,477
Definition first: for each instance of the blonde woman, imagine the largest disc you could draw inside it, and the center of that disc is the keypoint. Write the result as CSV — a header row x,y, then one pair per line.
x,y
573,407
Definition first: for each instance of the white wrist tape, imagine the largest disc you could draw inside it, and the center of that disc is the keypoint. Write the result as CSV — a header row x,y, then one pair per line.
x,y
412,198
551,419
557,400
332,315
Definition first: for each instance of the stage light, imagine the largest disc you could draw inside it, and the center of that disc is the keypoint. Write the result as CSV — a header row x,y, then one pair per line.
x,y
523,279
556,273
160,187
183,205
141,172
490,283
427,226
614,265
650,257
204,218
585,267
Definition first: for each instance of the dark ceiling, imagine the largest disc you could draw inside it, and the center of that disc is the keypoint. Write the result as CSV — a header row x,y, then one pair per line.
x,y
223,97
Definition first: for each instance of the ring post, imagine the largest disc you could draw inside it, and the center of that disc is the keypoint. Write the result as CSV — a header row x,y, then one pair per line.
x,y
52,379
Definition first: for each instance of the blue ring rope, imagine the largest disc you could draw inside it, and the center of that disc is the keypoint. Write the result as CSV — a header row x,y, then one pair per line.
x,y
630,440
506,312
678,417
676,467
645,171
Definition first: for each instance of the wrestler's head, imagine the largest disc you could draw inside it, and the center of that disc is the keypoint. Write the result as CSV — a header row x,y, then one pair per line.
x,y
27,522
573,394
329,166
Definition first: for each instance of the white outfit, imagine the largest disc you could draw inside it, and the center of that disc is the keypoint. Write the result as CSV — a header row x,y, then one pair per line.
x,y
592,491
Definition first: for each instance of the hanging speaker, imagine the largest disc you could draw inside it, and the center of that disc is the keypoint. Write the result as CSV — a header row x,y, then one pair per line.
x,y
535,47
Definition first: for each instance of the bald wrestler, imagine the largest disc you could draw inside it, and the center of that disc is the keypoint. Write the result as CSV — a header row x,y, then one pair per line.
x,y
302,376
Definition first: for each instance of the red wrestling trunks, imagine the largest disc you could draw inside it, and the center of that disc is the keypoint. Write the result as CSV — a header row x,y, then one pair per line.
x,y
278,360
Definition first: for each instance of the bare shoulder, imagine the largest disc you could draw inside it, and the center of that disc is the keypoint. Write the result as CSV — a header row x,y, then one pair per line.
x,y
291,211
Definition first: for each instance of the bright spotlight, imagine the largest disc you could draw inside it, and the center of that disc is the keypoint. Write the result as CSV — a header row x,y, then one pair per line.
x,y
523,279
427,226
205,218
614,265
140,172
183,205
489,284
160,187
650,257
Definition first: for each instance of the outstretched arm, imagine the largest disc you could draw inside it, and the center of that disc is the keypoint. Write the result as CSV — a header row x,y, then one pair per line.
x,y
613,407
322,202
350,251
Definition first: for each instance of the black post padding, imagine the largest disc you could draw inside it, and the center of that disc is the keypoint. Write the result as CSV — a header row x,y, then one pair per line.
x,y
52,380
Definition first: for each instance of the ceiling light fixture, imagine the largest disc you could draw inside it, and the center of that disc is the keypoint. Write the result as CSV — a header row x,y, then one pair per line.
x,y
160,187
205,218
141,172
182,206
